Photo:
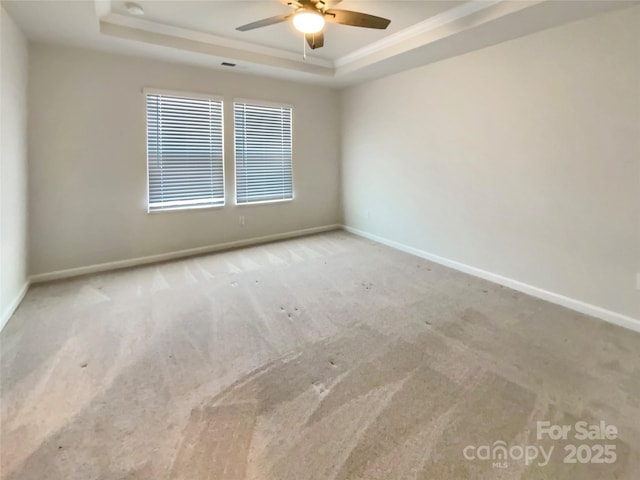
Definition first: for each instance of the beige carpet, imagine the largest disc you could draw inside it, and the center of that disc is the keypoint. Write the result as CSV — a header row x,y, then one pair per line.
x,y
327,357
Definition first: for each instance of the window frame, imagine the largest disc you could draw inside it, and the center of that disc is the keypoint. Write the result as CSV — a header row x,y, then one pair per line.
x,y
194,95
260,103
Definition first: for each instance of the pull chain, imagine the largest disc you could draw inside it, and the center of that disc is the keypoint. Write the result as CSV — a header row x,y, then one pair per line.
x,y
304,46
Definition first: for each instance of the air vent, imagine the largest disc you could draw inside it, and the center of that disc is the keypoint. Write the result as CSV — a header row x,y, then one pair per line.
x,y
227,64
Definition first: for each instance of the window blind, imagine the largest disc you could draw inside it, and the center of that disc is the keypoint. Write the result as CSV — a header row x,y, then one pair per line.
x,y
262,153
184,152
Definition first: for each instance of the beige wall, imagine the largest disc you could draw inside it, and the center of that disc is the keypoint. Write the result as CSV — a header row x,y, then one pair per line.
x,y
87,162
13,165
522,159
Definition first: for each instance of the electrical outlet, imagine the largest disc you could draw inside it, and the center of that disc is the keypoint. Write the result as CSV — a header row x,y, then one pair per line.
x,y
241,220
638,281
367,214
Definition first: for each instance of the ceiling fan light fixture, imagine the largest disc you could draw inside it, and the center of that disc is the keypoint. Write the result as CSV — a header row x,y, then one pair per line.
x,y
308,22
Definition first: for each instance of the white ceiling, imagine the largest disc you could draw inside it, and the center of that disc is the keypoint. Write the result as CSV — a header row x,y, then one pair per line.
x,y
203,32
222,17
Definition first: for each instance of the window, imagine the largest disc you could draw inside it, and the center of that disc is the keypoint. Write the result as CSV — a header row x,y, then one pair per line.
x,y
184,151
263,153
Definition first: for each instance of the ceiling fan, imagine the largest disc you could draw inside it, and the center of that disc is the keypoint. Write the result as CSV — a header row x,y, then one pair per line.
x,y
310,16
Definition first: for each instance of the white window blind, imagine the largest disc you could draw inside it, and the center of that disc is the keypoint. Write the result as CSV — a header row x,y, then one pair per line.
x,y
184,152
263,153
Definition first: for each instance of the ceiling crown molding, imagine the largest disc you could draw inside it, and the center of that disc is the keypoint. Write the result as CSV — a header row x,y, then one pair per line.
x,y
150,26
410,33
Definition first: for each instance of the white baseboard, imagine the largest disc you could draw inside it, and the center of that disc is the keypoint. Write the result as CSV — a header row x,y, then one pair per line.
x,y
13,306
571,303
132,262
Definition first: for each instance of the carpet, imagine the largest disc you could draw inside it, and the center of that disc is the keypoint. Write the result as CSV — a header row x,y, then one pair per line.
x,y
324,357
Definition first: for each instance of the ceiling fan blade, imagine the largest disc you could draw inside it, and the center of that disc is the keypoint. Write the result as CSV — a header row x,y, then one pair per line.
x,y
315,40
291,3
264,22
356,19
327,3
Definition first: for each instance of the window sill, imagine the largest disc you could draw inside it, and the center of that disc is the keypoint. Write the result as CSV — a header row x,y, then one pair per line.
x,y
184,208
265,202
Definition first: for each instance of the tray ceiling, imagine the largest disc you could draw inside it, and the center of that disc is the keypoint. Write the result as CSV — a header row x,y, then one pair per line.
x,y
203,32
